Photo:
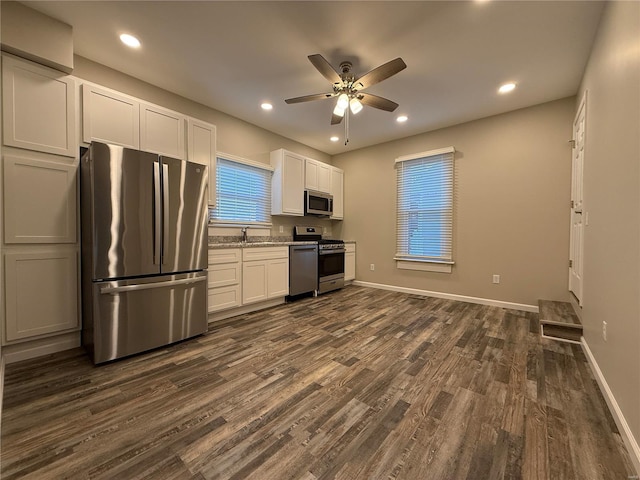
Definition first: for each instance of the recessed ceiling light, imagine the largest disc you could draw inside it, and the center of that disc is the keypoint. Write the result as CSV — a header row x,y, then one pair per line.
x,y
507,87
130,40
267,106
402,119
334,139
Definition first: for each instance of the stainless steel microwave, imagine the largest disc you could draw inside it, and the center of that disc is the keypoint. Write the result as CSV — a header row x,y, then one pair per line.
x,y
318,203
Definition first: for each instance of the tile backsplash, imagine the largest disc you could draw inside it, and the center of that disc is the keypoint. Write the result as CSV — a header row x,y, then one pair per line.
x,y
330,229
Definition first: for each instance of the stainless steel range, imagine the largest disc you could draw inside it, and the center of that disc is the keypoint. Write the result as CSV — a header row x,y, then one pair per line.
x,y
330,258
330,265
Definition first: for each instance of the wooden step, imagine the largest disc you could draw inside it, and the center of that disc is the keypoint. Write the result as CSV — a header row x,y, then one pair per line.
x,y
559,321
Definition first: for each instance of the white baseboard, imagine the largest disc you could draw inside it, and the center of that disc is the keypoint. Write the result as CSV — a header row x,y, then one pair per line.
x,y
1,390
40,347
451,296
627,436
1,396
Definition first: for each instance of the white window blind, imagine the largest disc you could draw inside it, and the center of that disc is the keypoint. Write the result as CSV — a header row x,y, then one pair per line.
x,y
425,206
243,193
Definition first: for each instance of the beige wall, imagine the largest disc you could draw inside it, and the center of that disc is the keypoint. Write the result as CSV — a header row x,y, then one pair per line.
x,y
612,200
35,36
234,136
511,207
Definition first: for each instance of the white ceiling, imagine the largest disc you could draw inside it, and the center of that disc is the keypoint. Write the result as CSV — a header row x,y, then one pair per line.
x,y
233,55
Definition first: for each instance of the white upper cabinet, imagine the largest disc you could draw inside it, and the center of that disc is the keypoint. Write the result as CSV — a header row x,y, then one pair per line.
x,y
201,148
337,190
162,131
38,108
39,201
287,183
317,176
110,117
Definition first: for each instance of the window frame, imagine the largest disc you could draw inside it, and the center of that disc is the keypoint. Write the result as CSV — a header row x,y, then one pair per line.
x,y
437,263
215,222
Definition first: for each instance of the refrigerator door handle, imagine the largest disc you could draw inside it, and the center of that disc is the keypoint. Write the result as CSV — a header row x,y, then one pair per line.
x,y
157,224
148,286
165,207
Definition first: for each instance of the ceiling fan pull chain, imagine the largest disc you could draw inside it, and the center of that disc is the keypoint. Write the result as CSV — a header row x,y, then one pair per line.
x,y
346,127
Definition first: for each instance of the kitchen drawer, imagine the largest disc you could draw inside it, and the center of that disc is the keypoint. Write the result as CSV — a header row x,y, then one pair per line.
x,y
224,297
221,275
264,253
224,255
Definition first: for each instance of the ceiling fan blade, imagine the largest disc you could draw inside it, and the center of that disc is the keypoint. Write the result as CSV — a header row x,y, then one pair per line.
x,y
380,73
377,102
309,98
336,119
325,68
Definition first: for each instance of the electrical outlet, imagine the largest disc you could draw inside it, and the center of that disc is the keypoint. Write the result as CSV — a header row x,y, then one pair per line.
x,y
604,331
281,229
496,279
324,230
372,267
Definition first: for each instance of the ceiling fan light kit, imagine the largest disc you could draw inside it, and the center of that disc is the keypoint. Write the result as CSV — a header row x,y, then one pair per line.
x,y
348,88
343,101
355,105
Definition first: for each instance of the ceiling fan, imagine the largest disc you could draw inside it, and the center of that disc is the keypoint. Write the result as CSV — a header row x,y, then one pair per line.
x,y
348,88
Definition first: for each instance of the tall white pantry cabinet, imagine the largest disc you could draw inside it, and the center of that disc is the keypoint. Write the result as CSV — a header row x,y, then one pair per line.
x,y
39,206
41,136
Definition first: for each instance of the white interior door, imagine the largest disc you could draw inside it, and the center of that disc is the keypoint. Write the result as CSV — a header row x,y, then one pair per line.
x,y
577,194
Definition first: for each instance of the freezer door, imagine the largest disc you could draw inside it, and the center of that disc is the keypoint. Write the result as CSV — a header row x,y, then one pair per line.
x,y
185,216
123,195
134,316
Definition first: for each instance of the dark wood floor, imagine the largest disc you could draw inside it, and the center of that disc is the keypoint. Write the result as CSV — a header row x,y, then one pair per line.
x,y
356,384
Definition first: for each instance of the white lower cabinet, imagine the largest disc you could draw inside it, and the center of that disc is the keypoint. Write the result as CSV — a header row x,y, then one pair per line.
x,y
278,277
350,262
41,286
245,276
254,286
224,279
265,273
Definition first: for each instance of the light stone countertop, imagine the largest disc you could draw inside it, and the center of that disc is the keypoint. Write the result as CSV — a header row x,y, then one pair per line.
x,y
253,244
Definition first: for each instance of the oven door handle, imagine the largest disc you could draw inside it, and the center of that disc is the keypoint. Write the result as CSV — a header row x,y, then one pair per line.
x,y
335,250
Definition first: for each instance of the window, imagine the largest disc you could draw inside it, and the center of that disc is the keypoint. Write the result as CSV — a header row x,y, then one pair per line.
x,y
425,210
243,192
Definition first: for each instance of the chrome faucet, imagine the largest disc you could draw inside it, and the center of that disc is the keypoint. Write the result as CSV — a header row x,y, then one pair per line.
x,y
243,230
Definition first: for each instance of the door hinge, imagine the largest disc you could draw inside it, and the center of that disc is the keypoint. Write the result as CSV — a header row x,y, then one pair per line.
x,y
572,143
572,203
570,263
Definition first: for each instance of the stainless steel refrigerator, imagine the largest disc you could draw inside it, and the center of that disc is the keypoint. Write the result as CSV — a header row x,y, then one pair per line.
x,y
144,250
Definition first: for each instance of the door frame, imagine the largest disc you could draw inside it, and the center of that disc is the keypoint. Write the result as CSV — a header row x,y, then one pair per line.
x,y
579,295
